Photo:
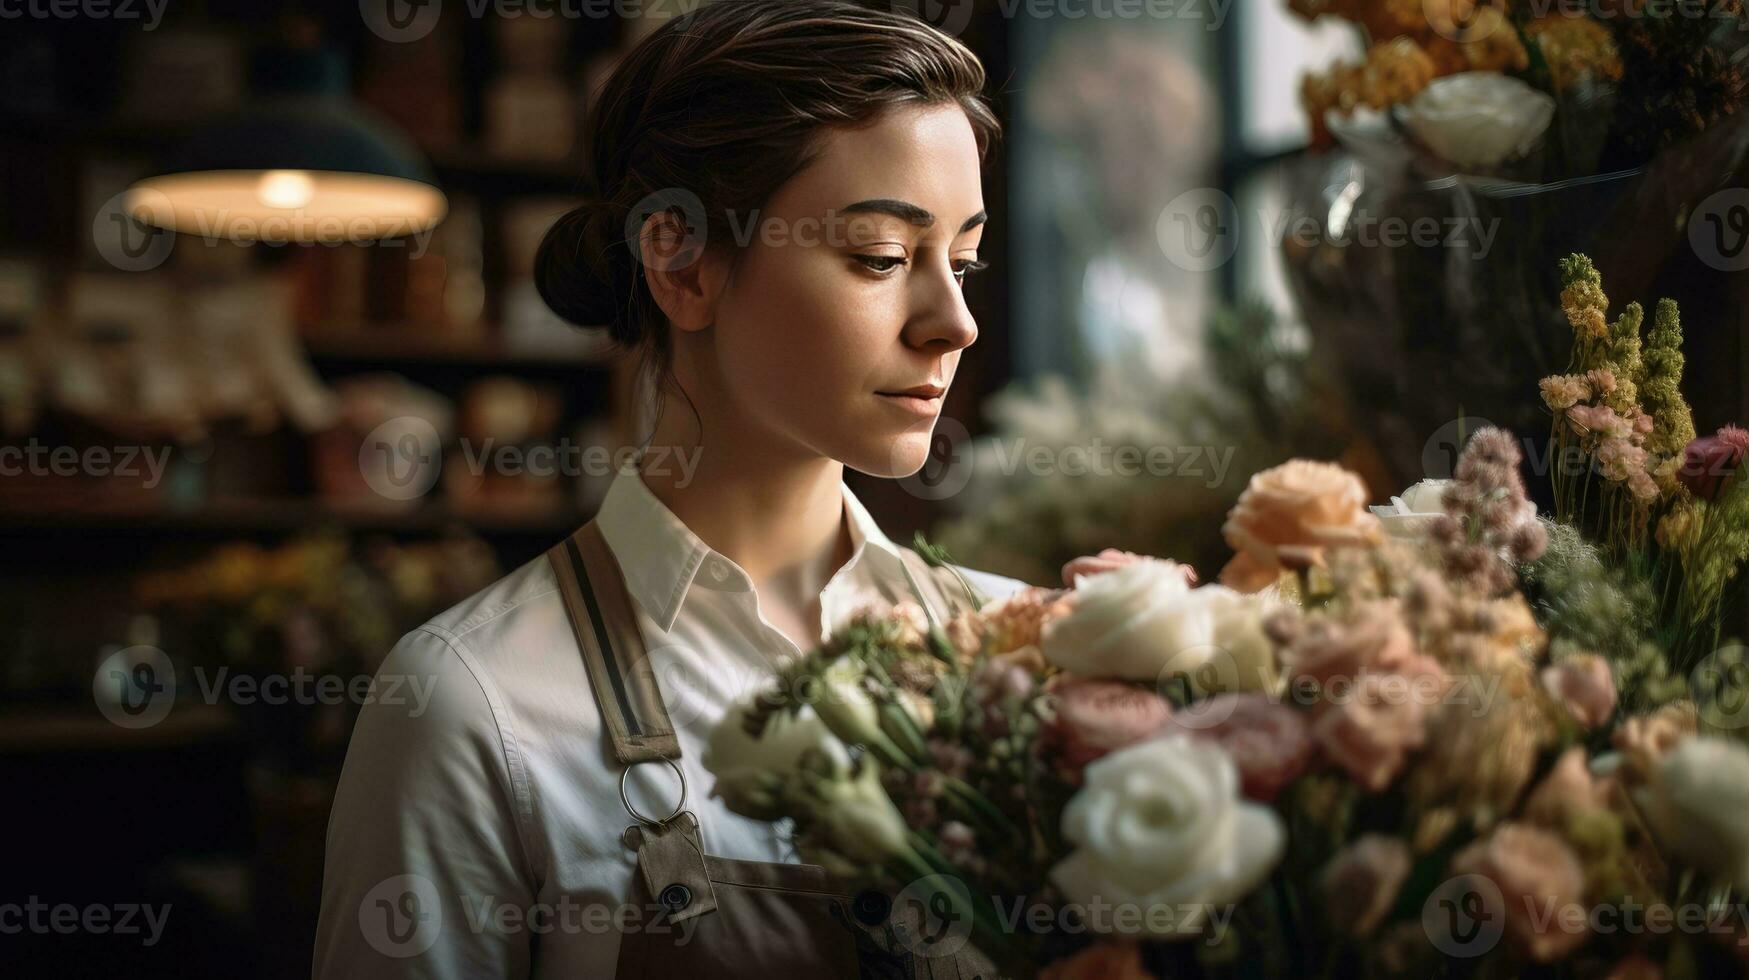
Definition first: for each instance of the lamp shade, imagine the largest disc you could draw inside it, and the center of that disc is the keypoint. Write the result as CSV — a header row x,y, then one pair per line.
x,y
307,167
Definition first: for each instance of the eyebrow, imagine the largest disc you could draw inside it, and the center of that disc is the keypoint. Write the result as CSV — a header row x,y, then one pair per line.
x,y
911,213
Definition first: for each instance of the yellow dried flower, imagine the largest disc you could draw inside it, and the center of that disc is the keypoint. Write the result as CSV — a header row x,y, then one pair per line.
x,y
1575,48
1497,47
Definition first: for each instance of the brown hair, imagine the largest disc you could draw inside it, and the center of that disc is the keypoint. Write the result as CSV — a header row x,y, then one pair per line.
x,y
720,107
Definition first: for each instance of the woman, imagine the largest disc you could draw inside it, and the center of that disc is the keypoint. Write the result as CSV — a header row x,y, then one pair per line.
x,y
804,313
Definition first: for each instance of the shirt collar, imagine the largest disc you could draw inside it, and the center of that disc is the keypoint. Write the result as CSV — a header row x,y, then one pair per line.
x,y
659,556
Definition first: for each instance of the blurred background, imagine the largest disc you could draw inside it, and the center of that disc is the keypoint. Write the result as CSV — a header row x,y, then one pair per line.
x,y
239,462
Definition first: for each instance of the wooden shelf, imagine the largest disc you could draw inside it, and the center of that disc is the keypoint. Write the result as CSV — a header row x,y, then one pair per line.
x,y
83,729
288,515
412,345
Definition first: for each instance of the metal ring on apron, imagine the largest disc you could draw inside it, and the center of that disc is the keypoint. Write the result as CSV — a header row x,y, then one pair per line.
x,y
678,807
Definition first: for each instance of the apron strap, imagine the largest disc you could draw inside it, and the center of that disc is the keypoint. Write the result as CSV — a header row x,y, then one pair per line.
x,y
606,627
621,675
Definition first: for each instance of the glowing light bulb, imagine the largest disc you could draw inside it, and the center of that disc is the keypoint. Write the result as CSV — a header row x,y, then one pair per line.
x,y
286,189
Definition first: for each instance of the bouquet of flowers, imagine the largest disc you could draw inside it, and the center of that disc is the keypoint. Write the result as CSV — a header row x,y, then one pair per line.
x,y
1354,755
1482,86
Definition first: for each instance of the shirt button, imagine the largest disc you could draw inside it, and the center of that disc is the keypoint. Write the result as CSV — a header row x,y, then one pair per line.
x,y
719,571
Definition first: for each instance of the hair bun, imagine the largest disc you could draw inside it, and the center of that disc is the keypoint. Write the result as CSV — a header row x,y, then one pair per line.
x,y
584,272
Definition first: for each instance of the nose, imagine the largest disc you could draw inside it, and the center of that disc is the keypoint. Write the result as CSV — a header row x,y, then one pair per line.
x,y
941,320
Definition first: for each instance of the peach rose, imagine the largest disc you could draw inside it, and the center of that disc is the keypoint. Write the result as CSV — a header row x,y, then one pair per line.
x,y
1105,960
1537,876
1094,717
1582,685
1289,516
1109,560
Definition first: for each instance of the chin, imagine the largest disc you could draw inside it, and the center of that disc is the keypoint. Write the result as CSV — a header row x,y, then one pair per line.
x,y
893,458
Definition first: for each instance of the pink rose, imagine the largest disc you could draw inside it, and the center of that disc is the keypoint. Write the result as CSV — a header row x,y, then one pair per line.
x,y
1371,638
1094,717
1111,559
1709,461
1269,742
1371,730
1584,686
1361,882
1104,960
1538,876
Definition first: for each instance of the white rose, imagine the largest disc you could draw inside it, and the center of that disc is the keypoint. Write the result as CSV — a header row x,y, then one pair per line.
x,y
1250,662
750,771
1696,801
1136,622
1410,512
1161,823
1478,118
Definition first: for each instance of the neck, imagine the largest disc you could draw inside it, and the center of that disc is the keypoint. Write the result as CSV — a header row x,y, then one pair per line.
x,y
777,512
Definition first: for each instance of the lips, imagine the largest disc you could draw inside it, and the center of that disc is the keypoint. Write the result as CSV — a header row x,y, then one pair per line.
x,y
925,391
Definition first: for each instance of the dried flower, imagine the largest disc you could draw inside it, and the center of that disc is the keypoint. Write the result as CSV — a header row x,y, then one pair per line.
x,y
1563,391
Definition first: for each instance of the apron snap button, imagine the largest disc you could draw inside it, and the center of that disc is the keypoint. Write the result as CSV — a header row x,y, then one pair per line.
x,y
871,907
675,897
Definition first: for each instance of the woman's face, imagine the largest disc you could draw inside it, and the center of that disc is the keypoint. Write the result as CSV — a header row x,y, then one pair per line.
x,y
849,293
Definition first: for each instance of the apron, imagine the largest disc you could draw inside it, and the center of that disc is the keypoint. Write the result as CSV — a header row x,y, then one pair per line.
x,y
741,920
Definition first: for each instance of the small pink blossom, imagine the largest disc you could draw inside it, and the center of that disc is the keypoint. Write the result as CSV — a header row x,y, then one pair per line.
x,y
1583,685
1563,391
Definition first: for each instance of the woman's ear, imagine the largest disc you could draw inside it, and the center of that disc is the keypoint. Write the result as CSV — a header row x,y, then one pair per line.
x,y
685,278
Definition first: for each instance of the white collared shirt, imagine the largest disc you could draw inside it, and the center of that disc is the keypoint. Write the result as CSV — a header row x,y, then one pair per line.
x,y
476,828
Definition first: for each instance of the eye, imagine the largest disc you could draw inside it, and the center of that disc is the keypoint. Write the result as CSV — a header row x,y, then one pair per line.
x,y
875,262
971,266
